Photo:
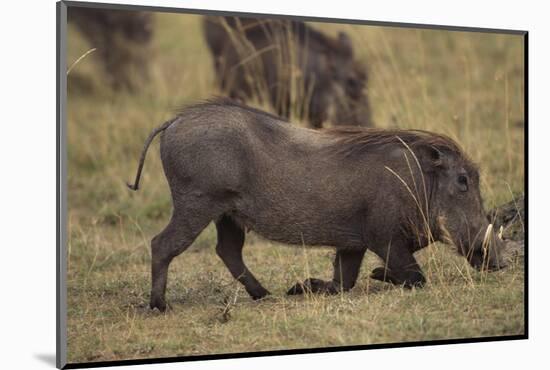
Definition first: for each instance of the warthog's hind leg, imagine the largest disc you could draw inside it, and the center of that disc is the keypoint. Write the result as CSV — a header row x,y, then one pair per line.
x,y
172,241
229,248
346,269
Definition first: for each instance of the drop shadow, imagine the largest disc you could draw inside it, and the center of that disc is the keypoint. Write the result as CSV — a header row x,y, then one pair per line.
x,y
47,358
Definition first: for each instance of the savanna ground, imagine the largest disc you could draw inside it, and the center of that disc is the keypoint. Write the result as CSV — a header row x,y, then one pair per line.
x,y
467,85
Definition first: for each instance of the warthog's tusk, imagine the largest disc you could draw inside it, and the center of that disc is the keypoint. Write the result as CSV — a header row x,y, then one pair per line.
x,y
500,232
486,238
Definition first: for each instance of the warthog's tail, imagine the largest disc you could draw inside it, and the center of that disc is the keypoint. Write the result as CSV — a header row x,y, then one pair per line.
x,y
152,135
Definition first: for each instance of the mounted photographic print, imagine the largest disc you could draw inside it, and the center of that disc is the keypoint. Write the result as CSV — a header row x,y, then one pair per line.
x,y
234,185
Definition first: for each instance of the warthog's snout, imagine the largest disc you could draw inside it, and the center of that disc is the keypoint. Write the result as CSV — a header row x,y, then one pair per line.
x,y
487,264
487,255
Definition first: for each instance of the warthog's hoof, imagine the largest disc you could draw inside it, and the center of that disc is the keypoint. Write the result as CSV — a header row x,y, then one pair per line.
x,y
417,280
313,285
159,304
414,278
380,274
259,293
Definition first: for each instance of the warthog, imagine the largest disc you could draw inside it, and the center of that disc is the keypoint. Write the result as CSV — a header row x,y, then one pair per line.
x,y
122,39
390,191
289,65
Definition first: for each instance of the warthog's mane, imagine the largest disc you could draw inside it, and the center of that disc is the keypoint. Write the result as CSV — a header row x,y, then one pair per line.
x,y
354,141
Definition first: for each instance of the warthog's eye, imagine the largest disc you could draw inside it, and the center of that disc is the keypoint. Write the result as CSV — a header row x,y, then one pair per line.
x,y
463,183
352,82
354,86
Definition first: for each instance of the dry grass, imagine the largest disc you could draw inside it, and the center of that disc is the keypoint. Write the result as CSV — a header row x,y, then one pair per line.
x,y
469,86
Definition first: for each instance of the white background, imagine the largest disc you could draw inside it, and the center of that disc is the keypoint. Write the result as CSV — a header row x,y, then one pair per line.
x,y
27,182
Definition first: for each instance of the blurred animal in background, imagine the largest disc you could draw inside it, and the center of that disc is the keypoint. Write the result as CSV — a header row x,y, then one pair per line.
x,y
122,40
288,65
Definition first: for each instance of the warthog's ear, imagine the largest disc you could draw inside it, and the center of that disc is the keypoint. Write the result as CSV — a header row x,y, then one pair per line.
x,y
432,158
344,42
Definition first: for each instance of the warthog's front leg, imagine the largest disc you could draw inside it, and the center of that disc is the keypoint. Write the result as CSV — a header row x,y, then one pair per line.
x,y
346,269
400,268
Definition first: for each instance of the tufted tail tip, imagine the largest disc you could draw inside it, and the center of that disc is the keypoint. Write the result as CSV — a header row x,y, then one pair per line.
x,y
132,187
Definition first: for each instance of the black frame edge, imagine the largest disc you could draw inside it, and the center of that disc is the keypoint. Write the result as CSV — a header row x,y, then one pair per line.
x,y
526,179
290,16
304,351
61,211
